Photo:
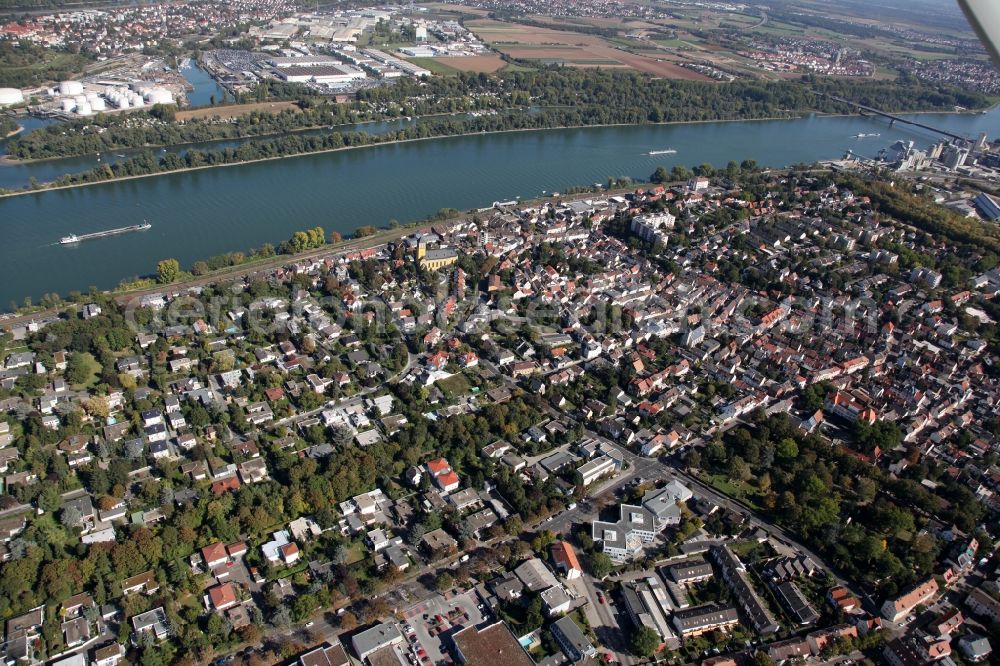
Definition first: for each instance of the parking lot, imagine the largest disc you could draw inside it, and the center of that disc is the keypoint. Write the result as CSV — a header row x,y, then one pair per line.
x,y
428,625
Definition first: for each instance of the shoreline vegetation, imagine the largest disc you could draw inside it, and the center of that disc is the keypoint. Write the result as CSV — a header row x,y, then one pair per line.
x,y
513,100
9,127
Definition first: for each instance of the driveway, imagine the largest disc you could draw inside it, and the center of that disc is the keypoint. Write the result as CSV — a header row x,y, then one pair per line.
x,y
603,618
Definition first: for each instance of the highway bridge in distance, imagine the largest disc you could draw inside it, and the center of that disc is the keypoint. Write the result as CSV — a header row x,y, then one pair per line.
x,y
894,118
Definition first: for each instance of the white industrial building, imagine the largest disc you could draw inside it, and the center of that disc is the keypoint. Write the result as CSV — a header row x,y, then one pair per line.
x,y
304,61
324,74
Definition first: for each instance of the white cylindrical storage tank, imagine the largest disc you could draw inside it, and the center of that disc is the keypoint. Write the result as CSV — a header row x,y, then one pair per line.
x,y
68,104
84,109
70,88
80,99
98,105
10,96
137,101
122,102
159,96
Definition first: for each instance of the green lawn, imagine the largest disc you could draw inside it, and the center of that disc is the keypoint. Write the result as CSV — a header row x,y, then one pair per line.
x,y
514,67
434,65
94,369
355,553
732,488
455,385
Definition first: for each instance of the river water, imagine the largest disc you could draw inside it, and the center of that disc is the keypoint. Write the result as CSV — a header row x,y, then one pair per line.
x,y
202,213
204,86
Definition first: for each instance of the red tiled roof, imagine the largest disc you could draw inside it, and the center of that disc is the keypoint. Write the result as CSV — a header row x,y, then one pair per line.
x,y
564,555
214,553
447,479
222,596
438,466
219,487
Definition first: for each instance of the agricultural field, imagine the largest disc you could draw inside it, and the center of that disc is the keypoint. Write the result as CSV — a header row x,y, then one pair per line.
x,y
444,8
576,49
446,66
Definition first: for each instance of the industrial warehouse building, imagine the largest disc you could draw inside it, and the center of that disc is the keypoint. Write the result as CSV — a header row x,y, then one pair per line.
x,y
324,74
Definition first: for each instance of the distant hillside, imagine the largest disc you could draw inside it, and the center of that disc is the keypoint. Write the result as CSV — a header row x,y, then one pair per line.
x,y
926,14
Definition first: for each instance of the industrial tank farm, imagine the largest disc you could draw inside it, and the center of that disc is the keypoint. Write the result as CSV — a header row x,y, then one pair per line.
x,y
74,98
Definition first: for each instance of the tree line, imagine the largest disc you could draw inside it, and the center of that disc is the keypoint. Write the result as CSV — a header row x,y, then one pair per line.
x,y
601,96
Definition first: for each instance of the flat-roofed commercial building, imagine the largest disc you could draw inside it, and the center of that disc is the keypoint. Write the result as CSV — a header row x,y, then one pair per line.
x,y
376,638
490,646
326,74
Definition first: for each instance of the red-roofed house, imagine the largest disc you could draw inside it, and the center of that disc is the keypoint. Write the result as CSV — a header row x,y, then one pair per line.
x,y
437,361
222,597
438,467
896,609
564,557
290,553
849,408
840,597
448,481
214,555
224,485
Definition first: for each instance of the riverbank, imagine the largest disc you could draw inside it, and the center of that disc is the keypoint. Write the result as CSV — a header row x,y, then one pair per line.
x,y
251,267
50,187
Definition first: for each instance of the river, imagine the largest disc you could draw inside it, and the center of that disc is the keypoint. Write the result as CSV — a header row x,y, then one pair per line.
x,y
202,213
204,87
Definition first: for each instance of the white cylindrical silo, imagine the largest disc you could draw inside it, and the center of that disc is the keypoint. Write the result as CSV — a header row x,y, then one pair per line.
x,y
10,96
84,109
68,104
70,88
159,96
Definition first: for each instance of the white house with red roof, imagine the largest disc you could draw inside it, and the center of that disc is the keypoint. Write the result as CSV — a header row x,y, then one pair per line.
x,y
445,478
